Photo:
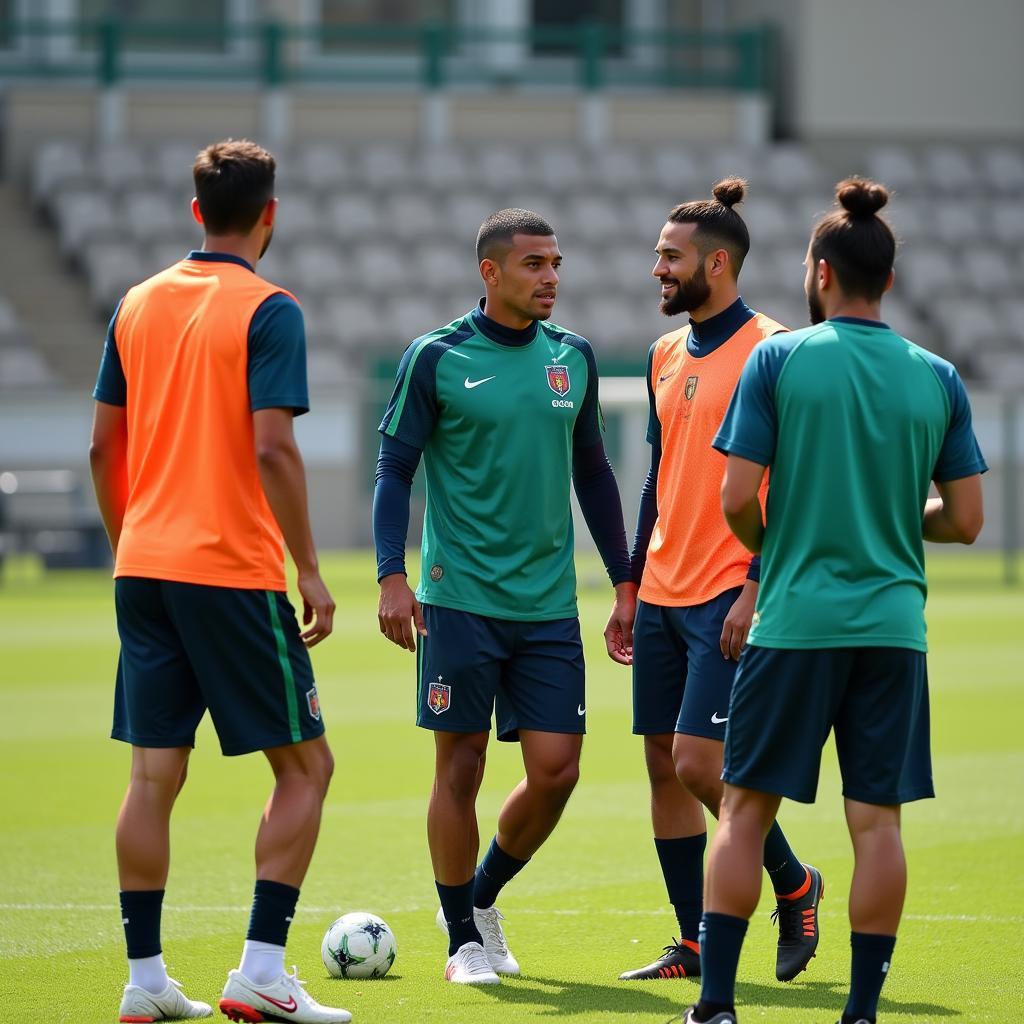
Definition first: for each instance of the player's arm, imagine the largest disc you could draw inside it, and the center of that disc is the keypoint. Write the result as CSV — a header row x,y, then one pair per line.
x,y
740,503
399,614
277,394
108,460
647,513
283,476
957,514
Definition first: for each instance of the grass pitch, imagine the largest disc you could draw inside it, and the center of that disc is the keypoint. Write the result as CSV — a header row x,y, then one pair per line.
x,y
589,905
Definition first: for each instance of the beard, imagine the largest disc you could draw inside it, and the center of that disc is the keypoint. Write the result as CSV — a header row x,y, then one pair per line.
x,y
266,243
689,295
814,306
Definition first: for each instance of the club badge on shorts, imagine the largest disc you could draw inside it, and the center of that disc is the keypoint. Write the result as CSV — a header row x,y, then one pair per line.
x,y
313,702
558,379
439,697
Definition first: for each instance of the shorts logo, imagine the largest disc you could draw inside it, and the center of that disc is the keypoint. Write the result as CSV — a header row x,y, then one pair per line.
x,y
439,699
558,379
437,573
313,702
691,387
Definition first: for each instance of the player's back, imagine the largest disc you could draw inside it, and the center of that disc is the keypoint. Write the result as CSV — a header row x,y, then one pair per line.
x,y
196,509
862,417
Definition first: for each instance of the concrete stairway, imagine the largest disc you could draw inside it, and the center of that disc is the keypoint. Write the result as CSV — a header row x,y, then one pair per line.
x,y
52,303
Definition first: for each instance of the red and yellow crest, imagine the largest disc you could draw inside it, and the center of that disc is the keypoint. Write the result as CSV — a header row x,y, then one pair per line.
x,y
558,379
439,697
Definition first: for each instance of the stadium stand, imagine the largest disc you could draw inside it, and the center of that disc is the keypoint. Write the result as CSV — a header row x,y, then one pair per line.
x,y
376,240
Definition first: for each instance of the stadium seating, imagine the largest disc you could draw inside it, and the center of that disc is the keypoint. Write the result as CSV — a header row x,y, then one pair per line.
x,y
21,365
377,241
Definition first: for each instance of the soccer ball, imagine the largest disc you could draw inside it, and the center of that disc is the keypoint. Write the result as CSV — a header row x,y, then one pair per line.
x,y
358,945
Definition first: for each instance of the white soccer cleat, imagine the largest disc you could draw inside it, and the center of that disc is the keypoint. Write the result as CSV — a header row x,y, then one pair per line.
x,y
488,923
282,1000
140,1006
469,966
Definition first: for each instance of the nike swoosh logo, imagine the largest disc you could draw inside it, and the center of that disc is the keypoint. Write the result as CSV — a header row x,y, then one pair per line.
x,y
666,377
290,1007
581,710
476,383
715,720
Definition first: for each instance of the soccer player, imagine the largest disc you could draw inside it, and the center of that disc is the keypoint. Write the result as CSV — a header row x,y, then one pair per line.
x,y
698,584
201,484
855,423
503,408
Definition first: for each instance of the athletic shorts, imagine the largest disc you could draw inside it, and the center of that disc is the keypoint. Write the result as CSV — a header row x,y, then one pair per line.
x,y
681,679
530,675
187,647
786,702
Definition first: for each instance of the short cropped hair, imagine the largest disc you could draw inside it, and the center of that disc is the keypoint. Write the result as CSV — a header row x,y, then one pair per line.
x,y
494,239
234,181
719,226
856,243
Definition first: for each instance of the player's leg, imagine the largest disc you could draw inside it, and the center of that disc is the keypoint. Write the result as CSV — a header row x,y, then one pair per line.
x,y
677,817
698,754
257,680
882,739
157,706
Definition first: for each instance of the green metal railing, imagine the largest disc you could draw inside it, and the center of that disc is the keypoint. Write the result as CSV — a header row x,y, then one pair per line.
x,y
432,55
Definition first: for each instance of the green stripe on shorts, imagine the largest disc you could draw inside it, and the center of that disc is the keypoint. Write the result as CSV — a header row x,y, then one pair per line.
x,y
286,668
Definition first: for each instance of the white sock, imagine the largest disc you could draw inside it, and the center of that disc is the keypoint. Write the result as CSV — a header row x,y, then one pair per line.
x,y
149,973
262,962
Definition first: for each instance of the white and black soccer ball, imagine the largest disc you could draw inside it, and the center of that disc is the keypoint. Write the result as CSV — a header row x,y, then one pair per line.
x,y
358,945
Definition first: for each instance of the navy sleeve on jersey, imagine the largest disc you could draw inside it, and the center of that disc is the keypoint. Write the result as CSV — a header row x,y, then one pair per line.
x,y
413,410
750,428
396,467
647,515
653,423
960,455
277,356
589,424
111,386
598,494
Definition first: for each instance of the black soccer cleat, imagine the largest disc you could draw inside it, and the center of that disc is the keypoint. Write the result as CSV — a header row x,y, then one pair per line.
x,y
798,928
678,961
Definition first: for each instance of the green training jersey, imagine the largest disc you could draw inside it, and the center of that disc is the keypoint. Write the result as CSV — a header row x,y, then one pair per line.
x,y
497,423
855,422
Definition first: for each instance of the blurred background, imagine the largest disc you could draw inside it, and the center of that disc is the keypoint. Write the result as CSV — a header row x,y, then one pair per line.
x,y
400,124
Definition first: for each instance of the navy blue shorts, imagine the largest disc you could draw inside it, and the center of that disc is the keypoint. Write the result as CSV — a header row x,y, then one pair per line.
x,y
681,679
529,674
786,702
187,647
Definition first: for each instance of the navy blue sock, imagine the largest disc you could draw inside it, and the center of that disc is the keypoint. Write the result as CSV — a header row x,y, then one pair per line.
x,y
781,863
273,907
497,868
140,915
457,907
721,939
872,955
682,864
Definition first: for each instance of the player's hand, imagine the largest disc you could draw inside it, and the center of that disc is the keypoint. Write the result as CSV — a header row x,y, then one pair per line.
x,y
618,634
317,608
737,622
399,613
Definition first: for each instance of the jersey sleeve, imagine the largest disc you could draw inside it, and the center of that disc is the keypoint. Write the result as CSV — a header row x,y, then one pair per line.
x,y
589,425
111,385
277,356
653,423
750,428
960,454
413,410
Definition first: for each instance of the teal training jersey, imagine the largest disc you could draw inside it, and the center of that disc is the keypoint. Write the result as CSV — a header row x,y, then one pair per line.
x,y
855,422
497,424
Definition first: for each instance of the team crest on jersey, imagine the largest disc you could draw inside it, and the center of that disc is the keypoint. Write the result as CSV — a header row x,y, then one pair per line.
x,y
691,387
437,573
439,699
313,702
558,379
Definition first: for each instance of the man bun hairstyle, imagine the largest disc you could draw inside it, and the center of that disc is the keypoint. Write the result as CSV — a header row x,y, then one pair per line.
x,y
494,239
855,242
719,226
234,181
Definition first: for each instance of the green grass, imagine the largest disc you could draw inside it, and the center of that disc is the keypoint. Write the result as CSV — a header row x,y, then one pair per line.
x,y
589,905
